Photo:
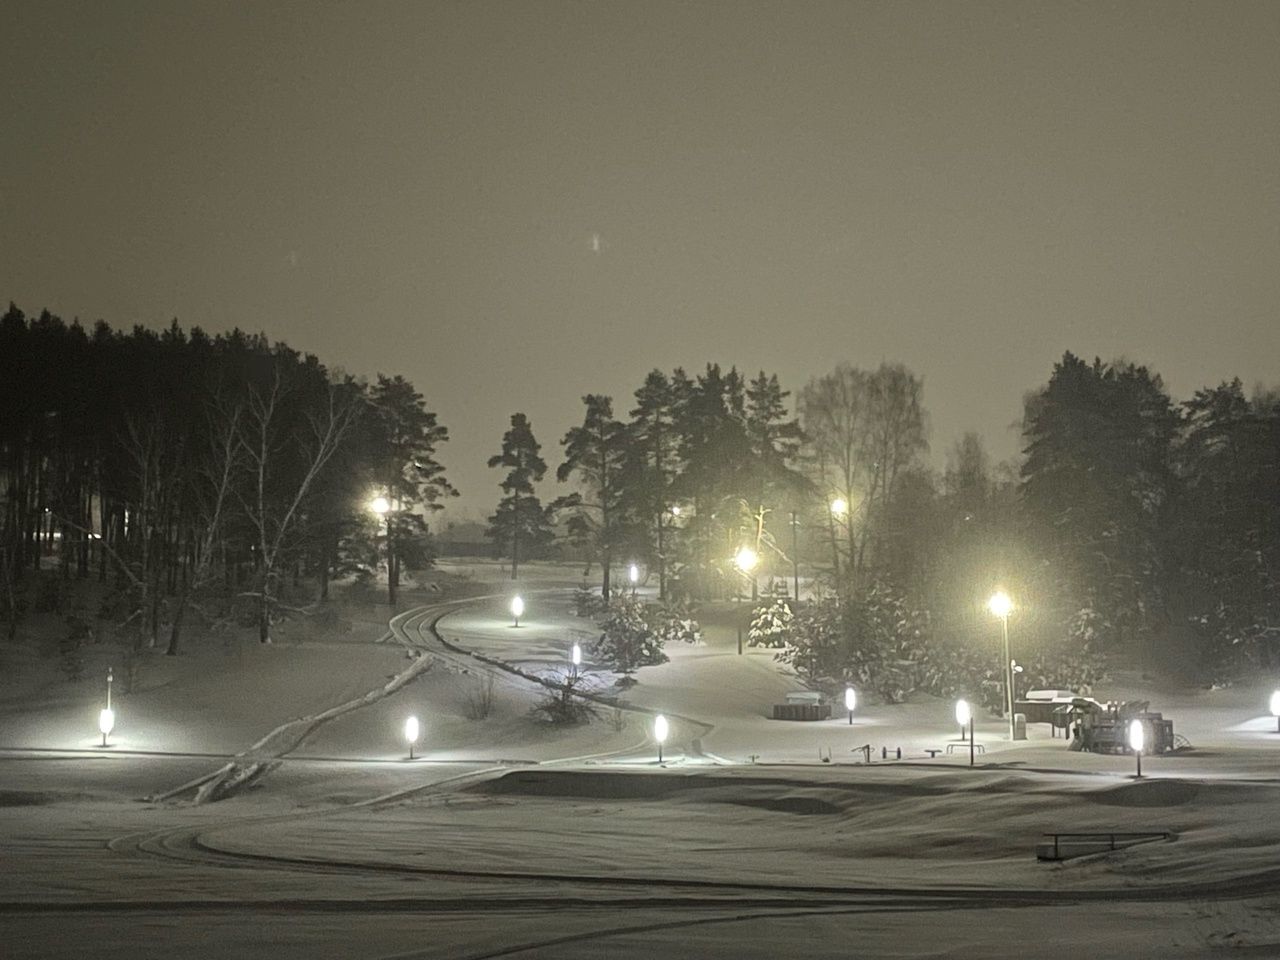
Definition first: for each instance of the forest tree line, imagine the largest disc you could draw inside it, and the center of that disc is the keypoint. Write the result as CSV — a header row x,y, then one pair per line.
x,y
193,472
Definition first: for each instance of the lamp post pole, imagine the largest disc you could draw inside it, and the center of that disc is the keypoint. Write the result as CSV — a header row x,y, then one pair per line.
x,y
795,556
1008,673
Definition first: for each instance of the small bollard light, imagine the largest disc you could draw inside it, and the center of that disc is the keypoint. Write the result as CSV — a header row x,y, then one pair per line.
x,y
575,658
964,715
517,610
850,701
634,574
106,721
660,731
1275,708
411,733
1137,740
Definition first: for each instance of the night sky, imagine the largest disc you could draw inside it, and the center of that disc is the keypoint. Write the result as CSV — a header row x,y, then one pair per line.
x,y
514,204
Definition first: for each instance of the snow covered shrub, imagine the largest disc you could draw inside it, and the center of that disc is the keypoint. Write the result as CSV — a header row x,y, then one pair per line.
x,y
560,706
770,625
480,697
628,642
588,603
674,623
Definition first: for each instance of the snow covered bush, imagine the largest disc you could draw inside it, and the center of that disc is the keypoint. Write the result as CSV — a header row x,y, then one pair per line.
x,y
674,623
627,642
771,625
588,603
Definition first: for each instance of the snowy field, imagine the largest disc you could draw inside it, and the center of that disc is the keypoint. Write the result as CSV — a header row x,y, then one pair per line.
x,y
508,837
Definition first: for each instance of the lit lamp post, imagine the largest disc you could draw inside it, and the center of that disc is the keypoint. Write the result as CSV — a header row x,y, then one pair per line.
x,y
517,610
411,733
745,560
382,507
964,716
634,575
850,701
575,659
660,732
1002,606
107,717
1137,740
1275,708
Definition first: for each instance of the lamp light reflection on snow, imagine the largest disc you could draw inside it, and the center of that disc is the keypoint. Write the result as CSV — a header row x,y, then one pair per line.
x,y
517,610
106,722
1137,740
660,731
850,701
411,733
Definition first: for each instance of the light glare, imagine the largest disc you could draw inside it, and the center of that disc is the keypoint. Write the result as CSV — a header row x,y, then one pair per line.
x,y
411,730
745,559
1137,735
1000,604
106,721
660,729
850,699
380,505
963,713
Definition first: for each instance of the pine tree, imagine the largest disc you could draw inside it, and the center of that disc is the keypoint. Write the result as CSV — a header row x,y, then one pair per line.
x,y
596,453
520,519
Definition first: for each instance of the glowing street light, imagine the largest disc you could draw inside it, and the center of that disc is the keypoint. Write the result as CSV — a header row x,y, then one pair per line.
x,y
964,715
839,507
745,560
411,733
575,658
1275,708
675,509
517,610
107,717
1137,739
634,575
1001,606
380,506
850,701
660,732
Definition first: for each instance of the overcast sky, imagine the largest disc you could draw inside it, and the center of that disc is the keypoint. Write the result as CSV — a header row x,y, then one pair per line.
x,y
514,204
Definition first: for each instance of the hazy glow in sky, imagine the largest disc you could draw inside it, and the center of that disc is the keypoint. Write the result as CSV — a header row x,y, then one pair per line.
x,y
515,204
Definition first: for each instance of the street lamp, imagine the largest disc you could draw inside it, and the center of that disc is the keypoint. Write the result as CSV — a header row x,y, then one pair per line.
x,y
964,715
839,507
1002,606
745,560
634,574
517,610
850,701
1137,739
1275,708
575,658
106,720
660,733
107,717
382,507
411,733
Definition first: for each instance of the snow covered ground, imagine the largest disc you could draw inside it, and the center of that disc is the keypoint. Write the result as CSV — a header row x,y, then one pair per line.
x,y
507,837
